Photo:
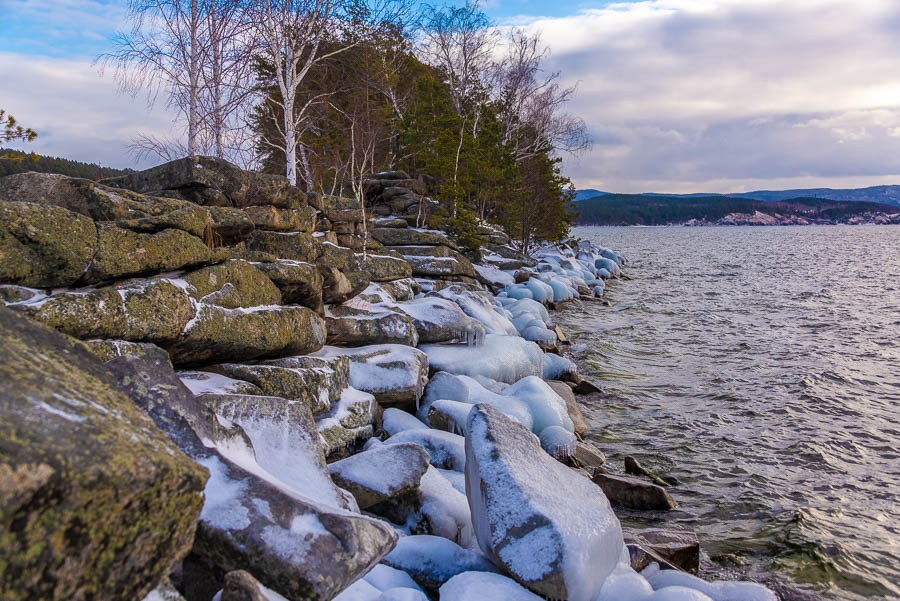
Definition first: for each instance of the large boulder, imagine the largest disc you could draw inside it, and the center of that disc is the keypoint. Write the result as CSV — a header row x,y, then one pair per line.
x,y
122,252
349,326
263,513
241,334
96,502
521,500
267,217
231,285
349,422
212,181
441,267
300,283
297,246
634,493
395,373
44,246
502,358
390,236
155,310
381,473
229,226
441,320
385,268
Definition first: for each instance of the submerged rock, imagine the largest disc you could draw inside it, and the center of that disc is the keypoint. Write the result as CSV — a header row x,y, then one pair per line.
x,y
634,493
95,501
678,547
522,500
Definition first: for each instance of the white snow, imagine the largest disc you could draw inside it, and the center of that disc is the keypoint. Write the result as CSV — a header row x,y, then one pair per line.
x,y
202,382
397,420
445,449
385,577
435,556
485,586
502,358
222,508
717,591
446,509
383,367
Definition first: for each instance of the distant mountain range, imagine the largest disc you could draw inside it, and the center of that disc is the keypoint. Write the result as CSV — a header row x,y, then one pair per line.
x,y
881,194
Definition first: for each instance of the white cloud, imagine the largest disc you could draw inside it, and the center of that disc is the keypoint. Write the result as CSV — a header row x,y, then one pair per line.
x,y
719,95
77,113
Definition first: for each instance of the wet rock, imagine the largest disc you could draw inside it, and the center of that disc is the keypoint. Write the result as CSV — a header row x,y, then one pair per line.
x,y
588,457
381,473
574,410
522,499
44,246
584,387
641,557
254,519
300,283
122,253
395,374
296,246
212,181
268,217
680,548
316,382
633,493
433,560
634,467
348,326
217,334
96,502
231,285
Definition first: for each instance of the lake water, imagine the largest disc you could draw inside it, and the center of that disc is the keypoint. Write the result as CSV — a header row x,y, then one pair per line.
x,y
761,368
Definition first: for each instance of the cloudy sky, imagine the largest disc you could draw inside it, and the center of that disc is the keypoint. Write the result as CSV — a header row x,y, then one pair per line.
x,y
679,95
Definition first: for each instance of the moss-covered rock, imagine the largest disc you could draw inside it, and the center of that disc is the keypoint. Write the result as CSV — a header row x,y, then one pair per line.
x,y
231,285
339,257
106,350
44,246
218,334
300,283
441,267
297,246
192,219
122,253
209,180
229,226
96,502
153,310
349,326
342,210
267,217
385,268
17,294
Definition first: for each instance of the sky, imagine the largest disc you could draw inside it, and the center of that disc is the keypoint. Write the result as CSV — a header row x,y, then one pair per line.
x,y
678,95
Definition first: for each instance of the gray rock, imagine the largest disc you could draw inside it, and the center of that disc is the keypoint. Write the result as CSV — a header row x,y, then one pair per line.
x,y
588,457
634,467
522,499
572,407
445,449
633,493
298,547
390,236
440,320
268,217
385,268
433,560
110,349
348,326
300,283
680,548
85,475
381,473
440,267
296,246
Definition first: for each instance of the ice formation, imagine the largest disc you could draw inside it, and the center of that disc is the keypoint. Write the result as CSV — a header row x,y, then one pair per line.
x,y
558,442
662,580
446,450
385,577
484,586
383,368
556,366
446,509
395,421
502,358
432,560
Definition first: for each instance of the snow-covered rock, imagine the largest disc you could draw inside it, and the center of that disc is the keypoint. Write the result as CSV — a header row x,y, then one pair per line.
x,y
441,320
447,451
502,358
484,586
523,501
482,306
396,420
381,473
385,577
396,374
432,560
717,591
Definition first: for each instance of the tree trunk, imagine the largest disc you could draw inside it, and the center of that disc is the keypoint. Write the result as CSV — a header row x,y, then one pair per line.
x,y
194,76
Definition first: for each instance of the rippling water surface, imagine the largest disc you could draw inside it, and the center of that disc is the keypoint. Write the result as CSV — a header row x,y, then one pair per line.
x,y
761,368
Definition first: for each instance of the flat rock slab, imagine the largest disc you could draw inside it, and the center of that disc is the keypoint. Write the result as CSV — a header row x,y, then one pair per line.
x,y
634,493
381,473
95,501
391,236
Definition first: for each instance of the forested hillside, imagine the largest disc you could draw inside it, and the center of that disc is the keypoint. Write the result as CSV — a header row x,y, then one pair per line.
x,y
46,164
639,209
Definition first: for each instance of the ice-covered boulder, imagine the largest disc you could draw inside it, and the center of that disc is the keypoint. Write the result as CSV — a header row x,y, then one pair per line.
x,y
349,423
202,382
662,580
441,320
502,358
381,473
446,450
396,420
384,578
484,586
522,500
433,560
463,389
482,306
263,515
396,374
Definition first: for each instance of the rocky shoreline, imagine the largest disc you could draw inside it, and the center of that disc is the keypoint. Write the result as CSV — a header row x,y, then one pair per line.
x,y
216,386
760,218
